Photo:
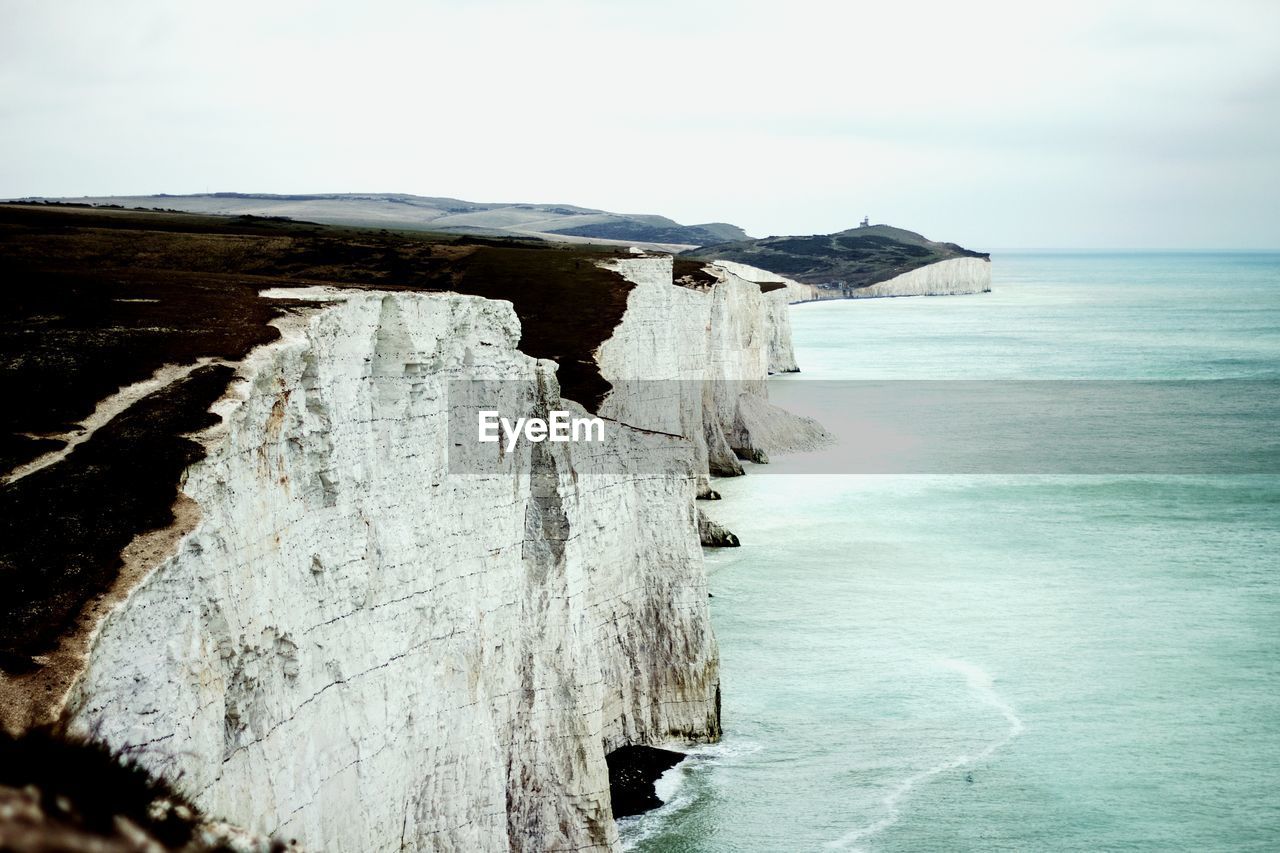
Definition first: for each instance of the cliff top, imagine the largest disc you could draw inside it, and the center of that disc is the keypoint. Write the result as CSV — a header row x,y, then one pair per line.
x,y
858,257
97,300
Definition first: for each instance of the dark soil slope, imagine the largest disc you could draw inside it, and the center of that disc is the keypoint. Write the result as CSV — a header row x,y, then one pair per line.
x,y
61,794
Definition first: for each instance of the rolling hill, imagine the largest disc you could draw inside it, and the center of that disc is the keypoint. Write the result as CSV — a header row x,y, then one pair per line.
x,y
856,258
561,222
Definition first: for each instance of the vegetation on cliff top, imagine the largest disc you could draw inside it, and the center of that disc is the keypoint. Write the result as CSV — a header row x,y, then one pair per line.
x,y
858,257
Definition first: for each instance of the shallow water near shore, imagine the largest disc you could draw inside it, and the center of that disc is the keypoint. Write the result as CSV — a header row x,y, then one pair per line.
x,y
981,662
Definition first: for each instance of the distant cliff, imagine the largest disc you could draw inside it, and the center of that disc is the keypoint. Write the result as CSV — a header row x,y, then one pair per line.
x,y
875,260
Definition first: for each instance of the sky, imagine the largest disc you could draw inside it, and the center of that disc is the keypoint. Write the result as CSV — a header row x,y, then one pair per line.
x,y
992,124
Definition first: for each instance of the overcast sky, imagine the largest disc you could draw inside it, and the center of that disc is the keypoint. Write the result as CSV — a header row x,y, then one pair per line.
x,y
993,124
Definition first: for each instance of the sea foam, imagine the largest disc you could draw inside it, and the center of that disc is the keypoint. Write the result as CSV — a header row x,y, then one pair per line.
x,y
982,685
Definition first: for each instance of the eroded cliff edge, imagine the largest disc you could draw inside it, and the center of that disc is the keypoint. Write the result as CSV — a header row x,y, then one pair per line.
x,y
333,618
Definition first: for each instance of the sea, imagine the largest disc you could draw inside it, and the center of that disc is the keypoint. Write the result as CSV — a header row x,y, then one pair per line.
x,y
989,661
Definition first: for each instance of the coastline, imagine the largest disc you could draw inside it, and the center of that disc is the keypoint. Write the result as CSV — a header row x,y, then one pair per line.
x,y
335,568
945,660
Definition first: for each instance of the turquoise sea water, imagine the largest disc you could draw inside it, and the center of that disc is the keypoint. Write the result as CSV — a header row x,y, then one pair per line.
x,y
966,663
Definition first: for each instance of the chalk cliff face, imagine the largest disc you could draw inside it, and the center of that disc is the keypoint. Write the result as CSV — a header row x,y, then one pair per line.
x,y
343,620
693,361
349,623
779,292
795,291
945,278
952,277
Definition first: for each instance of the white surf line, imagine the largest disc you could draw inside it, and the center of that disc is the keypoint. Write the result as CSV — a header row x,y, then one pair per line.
x,y
981,683
672,787
107,408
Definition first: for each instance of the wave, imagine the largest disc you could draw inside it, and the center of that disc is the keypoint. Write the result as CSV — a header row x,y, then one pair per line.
x,y
673,789
980,682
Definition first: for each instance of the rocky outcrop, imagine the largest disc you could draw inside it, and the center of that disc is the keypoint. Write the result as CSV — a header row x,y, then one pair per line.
x,y
715,535
632,772
760,428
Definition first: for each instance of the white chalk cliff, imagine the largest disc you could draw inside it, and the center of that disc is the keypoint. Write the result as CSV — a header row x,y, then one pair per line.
x,y
352,646
695,362
795,291
953,277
